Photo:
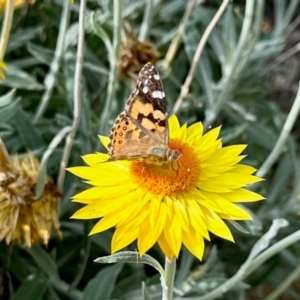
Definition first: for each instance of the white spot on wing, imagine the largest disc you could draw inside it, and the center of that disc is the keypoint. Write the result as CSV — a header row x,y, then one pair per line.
x,y
146,81
156,76
145,90
158,94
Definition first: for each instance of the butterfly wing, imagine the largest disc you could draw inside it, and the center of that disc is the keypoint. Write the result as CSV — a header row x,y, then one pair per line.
x,y
128,141
147,105
143,125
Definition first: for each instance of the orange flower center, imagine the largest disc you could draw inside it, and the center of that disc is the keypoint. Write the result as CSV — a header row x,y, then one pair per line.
x,y
169,178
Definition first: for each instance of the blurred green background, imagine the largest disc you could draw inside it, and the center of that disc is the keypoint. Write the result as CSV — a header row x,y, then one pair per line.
x,y
246,79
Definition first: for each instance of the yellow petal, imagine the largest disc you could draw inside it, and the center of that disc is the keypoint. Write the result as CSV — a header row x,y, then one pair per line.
x,y
194,131
180,212
96,193
196,218
164,246
173,234
242,195
95,158
123,237
193,242
104,140
173,127
215,225
221,205
147,238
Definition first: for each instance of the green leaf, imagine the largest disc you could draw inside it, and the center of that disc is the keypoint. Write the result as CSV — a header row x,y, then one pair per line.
x,y
131,257
231,133
229,34
8,111
32,288
102,285
7,98
42,54
238,227
44,261
41,180
265,240
22,37
184,267
145,293
262,135
100,32
31,137
19,79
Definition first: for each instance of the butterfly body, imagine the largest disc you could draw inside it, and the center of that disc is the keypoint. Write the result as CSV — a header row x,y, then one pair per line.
x,y
141,131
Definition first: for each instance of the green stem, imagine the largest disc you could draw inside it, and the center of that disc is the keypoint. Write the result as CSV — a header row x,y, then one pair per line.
x,y
177,39
8,17
285,133
114,67
285,18
51,77
186,86
241,55
274,249
85,259
41,178
168,285
247,268
146,20
284,284
77,98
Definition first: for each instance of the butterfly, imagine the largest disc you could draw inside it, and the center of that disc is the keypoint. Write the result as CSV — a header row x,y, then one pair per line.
x,y
141,131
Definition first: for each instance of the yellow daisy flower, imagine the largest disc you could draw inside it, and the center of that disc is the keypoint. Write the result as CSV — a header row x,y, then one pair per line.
x,y
177,203
17,3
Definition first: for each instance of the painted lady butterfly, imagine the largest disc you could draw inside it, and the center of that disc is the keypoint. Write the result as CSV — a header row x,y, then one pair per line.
x,y
141,131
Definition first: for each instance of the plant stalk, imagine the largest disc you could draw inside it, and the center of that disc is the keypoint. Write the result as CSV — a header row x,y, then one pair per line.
x,y
77,98
168,285
6,27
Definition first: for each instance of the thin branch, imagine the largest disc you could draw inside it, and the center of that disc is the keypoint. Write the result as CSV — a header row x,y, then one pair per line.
x,y
281,58
85,258
285,133
252,264
240,57
6,27
114,67
176,41
289,13
186,86
283,286
293,26
51,77
77,100
41,178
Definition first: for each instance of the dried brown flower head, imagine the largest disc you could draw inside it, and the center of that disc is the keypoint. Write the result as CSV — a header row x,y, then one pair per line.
x,y
22,217
135,53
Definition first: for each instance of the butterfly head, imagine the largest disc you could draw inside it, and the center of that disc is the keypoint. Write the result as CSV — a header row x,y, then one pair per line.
x,y
172,154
